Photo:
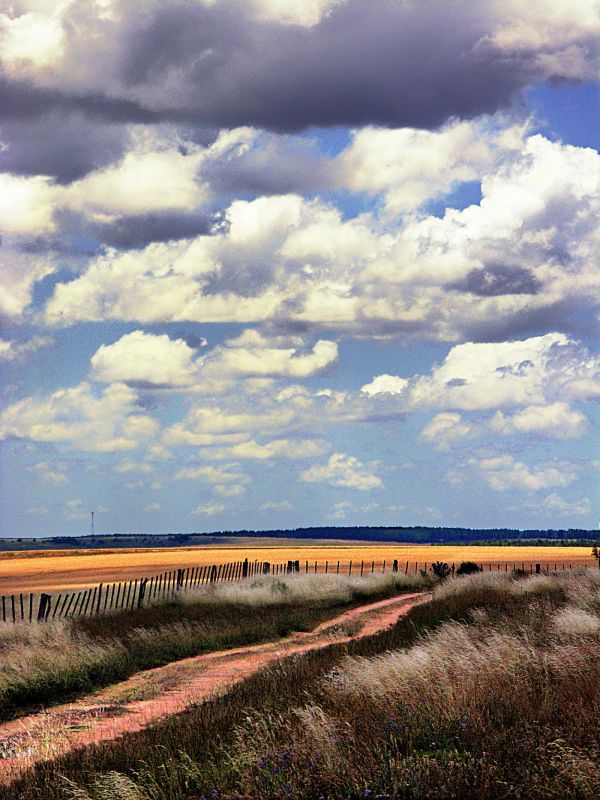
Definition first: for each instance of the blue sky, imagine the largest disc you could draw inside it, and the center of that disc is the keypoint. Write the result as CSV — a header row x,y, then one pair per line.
x,y
287,270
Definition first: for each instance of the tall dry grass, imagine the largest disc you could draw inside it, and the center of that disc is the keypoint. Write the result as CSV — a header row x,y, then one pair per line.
x,y
45,663
298,589
490,691
502,705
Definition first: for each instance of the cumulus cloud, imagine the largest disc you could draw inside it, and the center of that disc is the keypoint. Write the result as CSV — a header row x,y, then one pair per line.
x,y
529,372
51,474
344,471
556,420
216,476
412,166
556,504
445,430
504,472
287,66
254,354
208,510
251,450
526,254
108,422
26,204
74,510
385,384
276,505
19,351
147,360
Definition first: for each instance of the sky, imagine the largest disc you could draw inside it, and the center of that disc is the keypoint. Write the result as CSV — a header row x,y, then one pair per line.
x,y
280,263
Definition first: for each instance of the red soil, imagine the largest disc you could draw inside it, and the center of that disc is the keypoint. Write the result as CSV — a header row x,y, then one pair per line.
x,y
170,689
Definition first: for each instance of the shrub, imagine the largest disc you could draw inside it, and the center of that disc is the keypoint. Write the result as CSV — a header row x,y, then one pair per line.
x,y
468,568
441,570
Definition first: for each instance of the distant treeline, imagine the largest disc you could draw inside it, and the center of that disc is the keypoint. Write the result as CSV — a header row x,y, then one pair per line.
x,y
414,535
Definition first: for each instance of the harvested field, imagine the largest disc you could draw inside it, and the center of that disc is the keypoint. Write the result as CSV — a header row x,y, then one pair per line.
x,y
30,571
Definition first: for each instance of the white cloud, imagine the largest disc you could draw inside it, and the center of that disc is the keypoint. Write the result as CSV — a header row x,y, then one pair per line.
x,y
74,511
20,271
526,251
109,422
342,470
30,41
229,491
143,182
293,12
18,351
254,354
149,360
557,38
412,166
385,384
153,507
339,510
504,472
129,466
208,510
490,375
565,508
54,474
556,420
445,429
274,449
276,505
214,475
26,204
145,359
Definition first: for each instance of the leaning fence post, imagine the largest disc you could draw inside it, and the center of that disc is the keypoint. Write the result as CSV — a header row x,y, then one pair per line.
x,y
179,578
213,572
142,592
44,600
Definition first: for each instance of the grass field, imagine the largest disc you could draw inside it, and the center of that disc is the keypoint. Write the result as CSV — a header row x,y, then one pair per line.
x,y
45,664
490,690
31,571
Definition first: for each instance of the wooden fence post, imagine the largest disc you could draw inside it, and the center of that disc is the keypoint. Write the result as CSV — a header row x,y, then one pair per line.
x,y
44,601
245,568
55,606
395,565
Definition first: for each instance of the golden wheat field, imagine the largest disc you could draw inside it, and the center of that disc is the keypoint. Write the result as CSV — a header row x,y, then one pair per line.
x,y
31,571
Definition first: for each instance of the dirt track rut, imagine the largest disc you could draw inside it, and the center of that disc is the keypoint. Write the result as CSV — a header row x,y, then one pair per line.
x,y
133,704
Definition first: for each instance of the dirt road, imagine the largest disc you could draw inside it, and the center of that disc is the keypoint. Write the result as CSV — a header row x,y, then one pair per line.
x,y
132,704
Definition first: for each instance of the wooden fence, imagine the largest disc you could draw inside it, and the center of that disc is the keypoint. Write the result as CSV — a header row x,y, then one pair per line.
x,y
140,592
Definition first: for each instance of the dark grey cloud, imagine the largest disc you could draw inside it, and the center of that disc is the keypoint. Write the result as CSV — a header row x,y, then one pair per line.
x,y
65,147
131,232
388,63
275,165
499,279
